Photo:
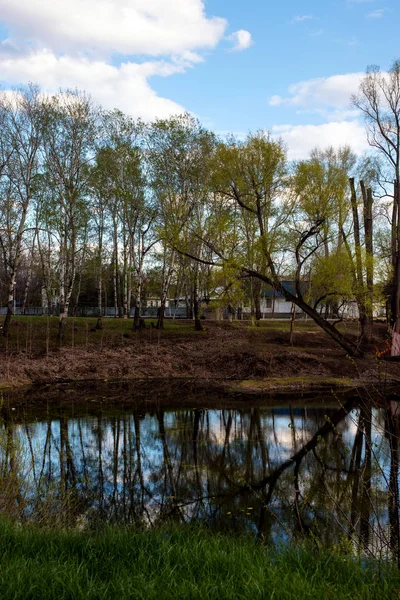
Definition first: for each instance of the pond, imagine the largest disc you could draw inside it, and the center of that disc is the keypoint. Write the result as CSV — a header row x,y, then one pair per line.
x,y
279,468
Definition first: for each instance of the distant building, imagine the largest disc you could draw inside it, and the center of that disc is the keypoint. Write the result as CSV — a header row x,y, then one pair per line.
x,y
274,304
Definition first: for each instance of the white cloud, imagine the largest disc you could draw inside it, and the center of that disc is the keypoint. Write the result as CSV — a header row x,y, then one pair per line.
x,y
300,18
103,27
375,14
334,91
329,98
242,39
301,139
95,44
125,87
332,114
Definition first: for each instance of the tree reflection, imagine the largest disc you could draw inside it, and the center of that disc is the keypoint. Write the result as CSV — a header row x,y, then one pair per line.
x,y
277,472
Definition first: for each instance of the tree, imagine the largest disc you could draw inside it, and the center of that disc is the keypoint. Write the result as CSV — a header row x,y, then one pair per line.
x,y
122,206
21,116
251,178
69,134
362,267
321,187
179,157
326,191
378,99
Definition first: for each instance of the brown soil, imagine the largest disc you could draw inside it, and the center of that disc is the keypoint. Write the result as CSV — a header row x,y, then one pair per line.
x,y
255,359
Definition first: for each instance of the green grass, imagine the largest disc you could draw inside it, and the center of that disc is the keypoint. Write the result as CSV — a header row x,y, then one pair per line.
x,y
351,327
294,381
175,564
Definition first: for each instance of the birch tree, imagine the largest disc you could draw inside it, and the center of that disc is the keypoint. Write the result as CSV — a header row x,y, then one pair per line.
x,y
70,134
20,121
179,156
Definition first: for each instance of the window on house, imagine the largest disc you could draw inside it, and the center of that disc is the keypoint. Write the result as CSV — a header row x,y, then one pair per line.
x,y
269,303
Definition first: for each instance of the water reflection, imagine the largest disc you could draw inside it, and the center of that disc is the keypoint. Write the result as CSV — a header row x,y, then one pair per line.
x,y
330,472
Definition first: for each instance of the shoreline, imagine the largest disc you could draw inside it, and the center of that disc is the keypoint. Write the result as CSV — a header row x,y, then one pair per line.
x,y
188,393
235,358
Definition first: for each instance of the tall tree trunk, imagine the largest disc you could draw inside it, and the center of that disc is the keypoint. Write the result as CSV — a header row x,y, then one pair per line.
x,y
125,277
394,255
67,279
369,257
29,278
139,271
257,299
196,304
167,276
196,308
360,291
115,268
396,282
10,300
62,275
99,324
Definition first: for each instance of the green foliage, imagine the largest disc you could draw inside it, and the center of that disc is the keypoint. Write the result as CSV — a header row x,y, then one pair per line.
x,y
321,183
332,275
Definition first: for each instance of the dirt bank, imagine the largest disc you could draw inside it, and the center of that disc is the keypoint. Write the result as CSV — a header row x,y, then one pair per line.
x,y
245,358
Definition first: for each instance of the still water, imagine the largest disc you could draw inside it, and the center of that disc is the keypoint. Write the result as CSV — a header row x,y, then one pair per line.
x,y
276,468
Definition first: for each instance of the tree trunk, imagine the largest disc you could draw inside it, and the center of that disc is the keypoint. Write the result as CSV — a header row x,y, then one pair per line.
x,y
292,320
369,265
62,314
11,292
160,316
29,278
396,291
99,324
125,281
138,300
196,304
115,271
360,288
257,299
349,347
394,248
164,292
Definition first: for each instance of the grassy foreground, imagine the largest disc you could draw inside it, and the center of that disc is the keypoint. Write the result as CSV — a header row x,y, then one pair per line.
x,y
174,564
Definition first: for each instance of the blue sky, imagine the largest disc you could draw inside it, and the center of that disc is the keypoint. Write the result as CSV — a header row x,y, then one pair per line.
x,y
239,66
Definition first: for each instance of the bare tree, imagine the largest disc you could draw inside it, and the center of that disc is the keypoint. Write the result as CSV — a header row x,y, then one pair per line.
x,y
69,141
20,121
378,99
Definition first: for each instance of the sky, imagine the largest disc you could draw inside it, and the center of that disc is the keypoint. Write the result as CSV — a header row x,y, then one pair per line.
x,y
239,66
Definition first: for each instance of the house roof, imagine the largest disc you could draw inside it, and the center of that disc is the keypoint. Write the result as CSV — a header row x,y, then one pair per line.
x,y
289,285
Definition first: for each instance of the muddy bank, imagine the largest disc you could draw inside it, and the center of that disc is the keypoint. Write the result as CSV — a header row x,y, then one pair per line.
x,y
243,359
105,399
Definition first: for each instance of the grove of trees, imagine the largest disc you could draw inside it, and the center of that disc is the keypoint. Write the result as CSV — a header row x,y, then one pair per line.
x,y
98,208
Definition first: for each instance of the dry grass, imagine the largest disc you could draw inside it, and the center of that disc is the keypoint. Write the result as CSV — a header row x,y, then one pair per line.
x,y
223,351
